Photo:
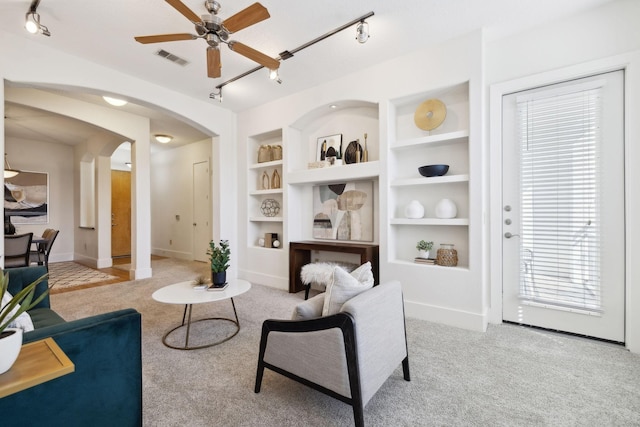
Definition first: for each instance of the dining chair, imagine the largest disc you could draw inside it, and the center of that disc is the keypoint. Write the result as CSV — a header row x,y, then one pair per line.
x,y
41,255
16,250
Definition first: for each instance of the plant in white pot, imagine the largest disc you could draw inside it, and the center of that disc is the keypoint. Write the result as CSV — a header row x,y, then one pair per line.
x,y
219,256
423,248
10,308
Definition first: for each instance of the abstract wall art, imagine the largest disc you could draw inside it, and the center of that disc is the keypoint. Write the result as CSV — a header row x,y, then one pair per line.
x,y
343,211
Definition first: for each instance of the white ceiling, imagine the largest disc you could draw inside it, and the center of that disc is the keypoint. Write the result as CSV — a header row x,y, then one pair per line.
x,y
104,32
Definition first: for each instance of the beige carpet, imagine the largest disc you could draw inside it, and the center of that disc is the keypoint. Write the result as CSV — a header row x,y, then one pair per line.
x,y
508,376
64,275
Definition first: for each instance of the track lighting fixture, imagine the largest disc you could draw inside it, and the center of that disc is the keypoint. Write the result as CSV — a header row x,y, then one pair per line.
x,y
32,20
362,35
273,75
362,32
216,95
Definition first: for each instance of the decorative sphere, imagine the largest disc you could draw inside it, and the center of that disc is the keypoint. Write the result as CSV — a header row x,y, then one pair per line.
x,y
414,210
276,243
446,209
270,207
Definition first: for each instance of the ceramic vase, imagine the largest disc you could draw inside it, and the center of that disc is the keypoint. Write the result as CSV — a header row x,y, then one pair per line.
x,y
10,346
423,254
414,210
446,209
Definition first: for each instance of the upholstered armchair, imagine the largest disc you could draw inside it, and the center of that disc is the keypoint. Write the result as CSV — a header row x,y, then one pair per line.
x,y
347,355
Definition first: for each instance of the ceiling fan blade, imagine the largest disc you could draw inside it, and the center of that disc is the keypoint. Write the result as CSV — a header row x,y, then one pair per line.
x,y
254,55
183,9
164,38
213,62
246,17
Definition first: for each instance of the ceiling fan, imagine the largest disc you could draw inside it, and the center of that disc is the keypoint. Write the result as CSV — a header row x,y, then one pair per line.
x,y
216,31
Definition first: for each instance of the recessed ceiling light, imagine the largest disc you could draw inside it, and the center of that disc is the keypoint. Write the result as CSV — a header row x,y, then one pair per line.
x,y
334,106
115,101
163,139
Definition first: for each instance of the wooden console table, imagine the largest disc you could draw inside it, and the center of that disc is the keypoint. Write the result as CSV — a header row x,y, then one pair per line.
x,y
38,362
300,255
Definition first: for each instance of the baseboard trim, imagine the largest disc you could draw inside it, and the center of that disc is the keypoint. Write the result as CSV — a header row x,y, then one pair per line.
x,y
446,316
264,279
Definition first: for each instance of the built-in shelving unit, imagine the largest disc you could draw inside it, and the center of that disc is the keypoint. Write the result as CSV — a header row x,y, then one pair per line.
x,y
265,181
410,148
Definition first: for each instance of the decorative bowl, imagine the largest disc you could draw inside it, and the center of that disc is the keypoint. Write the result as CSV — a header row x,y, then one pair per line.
x,y
433,170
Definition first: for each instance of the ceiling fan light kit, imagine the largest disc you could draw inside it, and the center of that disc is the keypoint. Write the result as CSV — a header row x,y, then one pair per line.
x,y
215,31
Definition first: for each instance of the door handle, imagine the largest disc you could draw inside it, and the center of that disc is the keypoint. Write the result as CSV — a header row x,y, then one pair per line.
x,y
509,235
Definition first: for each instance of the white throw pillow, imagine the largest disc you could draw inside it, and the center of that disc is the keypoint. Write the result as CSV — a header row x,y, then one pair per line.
x,y
23,321
345,286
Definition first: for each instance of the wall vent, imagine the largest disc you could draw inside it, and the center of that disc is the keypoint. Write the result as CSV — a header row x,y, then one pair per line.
x,y
171,57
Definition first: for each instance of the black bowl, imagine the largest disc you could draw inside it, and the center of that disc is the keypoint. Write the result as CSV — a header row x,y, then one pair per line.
x,y
433,170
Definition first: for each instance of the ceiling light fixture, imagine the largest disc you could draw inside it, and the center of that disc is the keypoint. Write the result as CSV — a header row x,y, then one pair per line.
x,y
363,27
362,32
32,20
128,164
115,101
273,75
163,139
8,171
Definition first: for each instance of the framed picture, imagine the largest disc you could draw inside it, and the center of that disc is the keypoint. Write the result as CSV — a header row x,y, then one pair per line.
x,y
328,146
26,198
343,211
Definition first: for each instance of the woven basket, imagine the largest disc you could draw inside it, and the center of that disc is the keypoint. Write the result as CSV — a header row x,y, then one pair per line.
x,y
447,256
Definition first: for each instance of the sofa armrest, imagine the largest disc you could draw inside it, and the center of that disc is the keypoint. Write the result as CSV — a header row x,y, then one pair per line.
x,y
106,387
21,277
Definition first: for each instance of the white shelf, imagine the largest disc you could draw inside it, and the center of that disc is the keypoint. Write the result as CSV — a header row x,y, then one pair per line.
x,y
353,171
433,140
418,265
266,164
432,180
430,221
266,219
263,192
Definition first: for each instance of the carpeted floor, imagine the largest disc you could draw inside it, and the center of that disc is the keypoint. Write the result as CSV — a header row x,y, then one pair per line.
x,y
66,275
508,376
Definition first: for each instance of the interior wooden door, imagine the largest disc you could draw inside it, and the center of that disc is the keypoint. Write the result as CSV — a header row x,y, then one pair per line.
x,y
120,213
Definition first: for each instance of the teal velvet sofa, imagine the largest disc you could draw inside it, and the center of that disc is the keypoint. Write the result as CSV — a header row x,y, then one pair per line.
x,y
106,387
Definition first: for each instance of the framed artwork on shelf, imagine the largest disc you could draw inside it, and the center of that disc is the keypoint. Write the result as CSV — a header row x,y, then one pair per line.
x,y
329,146
343,211
26,198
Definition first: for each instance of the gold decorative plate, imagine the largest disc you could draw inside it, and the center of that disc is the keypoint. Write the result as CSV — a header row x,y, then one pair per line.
x,y
430,114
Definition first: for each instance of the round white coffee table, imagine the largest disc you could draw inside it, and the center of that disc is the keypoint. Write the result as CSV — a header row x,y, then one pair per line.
x,y
184,293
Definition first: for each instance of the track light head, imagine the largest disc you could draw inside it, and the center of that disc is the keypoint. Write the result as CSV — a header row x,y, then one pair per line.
x,y
217,95
362,32
32,20
273,75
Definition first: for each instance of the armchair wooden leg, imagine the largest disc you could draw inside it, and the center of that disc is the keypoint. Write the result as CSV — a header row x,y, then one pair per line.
x,y
259,374
405,369
306,291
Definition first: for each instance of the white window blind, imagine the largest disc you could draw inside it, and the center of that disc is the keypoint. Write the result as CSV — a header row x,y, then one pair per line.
x,y
559,137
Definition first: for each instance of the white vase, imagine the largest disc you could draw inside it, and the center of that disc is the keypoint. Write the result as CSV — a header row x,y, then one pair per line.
x,y
414,210
446,209
10,349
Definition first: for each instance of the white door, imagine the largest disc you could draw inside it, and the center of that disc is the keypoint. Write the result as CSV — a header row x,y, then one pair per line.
x,y
563,207
201,211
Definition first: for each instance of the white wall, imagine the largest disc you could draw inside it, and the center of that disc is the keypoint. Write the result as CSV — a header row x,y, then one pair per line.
x,y
22,61
172,199
57,161
600,40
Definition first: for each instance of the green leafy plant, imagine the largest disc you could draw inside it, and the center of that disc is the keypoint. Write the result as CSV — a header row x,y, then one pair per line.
x,y
23,300
424,245
219,256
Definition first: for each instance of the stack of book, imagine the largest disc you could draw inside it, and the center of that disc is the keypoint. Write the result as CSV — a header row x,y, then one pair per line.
x,y
430,261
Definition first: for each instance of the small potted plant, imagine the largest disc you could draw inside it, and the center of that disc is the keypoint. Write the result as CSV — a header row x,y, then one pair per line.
x,y
423,248
219,256
10,308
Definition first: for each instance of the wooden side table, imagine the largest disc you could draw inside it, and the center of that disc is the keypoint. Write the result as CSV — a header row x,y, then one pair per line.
x,y
38,362
300,254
